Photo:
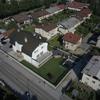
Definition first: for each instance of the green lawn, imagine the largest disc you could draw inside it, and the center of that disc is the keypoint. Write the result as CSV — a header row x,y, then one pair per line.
x,y
54,43
52,71
59,17
84,92
87,26
29,28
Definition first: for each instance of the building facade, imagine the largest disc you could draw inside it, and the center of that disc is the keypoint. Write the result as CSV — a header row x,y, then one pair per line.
x,y
71,41
91,73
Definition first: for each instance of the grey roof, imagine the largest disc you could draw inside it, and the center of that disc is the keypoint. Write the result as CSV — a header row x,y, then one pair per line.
x,y
93,67
52,9
69,23
32,40
2,30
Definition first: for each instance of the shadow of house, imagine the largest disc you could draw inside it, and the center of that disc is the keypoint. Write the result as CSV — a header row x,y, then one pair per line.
x,y
80,63
93,39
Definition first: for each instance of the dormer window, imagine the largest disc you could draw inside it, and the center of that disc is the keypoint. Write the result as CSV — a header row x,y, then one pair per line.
x,y
26,40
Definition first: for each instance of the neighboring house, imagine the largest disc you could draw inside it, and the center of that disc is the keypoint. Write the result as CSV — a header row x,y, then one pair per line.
x,y
61,6
68,25
91,73
32,46
54,10
98,42
77,6
47,30
22,18
45,13
40,15
71,41
84,14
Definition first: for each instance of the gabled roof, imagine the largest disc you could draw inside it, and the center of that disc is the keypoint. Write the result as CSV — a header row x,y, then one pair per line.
x,y
69,23
38,14
20,18
72,38
76,5
83,13
52,9
61,6
30,41
93,67
47,27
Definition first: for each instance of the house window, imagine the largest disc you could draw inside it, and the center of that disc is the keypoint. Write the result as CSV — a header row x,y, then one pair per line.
x,y
93,82
41,53
18,51
86,83
36,51
87,78
37,55
42,47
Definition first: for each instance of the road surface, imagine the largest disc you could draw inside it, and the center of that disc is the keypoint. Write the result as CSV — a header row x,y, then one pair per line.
x,y
20,81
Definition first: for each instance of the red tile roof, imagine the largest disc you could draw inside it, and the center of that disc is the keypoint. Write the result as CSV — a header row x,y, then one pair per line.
x,y
84,13
70,37
39,14
47,27
76,5
61,6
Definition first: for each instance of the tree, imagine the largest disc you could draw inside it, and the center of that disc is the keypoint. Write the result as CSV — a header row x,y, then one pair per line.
x,y
49,75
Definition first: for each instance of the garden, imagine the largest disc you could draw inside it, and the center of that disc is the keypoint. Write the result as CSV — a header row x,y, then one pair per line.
x,y
53,71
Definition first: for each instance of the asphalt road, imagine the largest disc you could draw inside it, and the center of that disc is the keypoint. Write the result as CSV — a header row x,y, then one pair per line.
x,y
20,81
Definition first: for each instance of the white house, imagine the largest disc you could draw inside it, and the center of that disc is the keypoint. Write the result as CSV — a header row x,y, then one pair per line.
x,y
68,25
71,41
22,18
47,30
91,73
77,6
32,46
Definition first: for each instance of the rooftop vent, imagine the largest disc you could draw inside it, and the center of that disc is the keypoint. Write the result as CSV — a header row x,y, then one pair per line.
x,y
40,38
26,40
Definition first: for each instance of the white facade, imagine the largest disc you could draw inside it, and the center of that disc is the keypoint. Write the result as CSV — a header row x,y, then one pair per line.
x,y
43,17
39,51
90,81
46,34
17,47
76,9
91,73
72,46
